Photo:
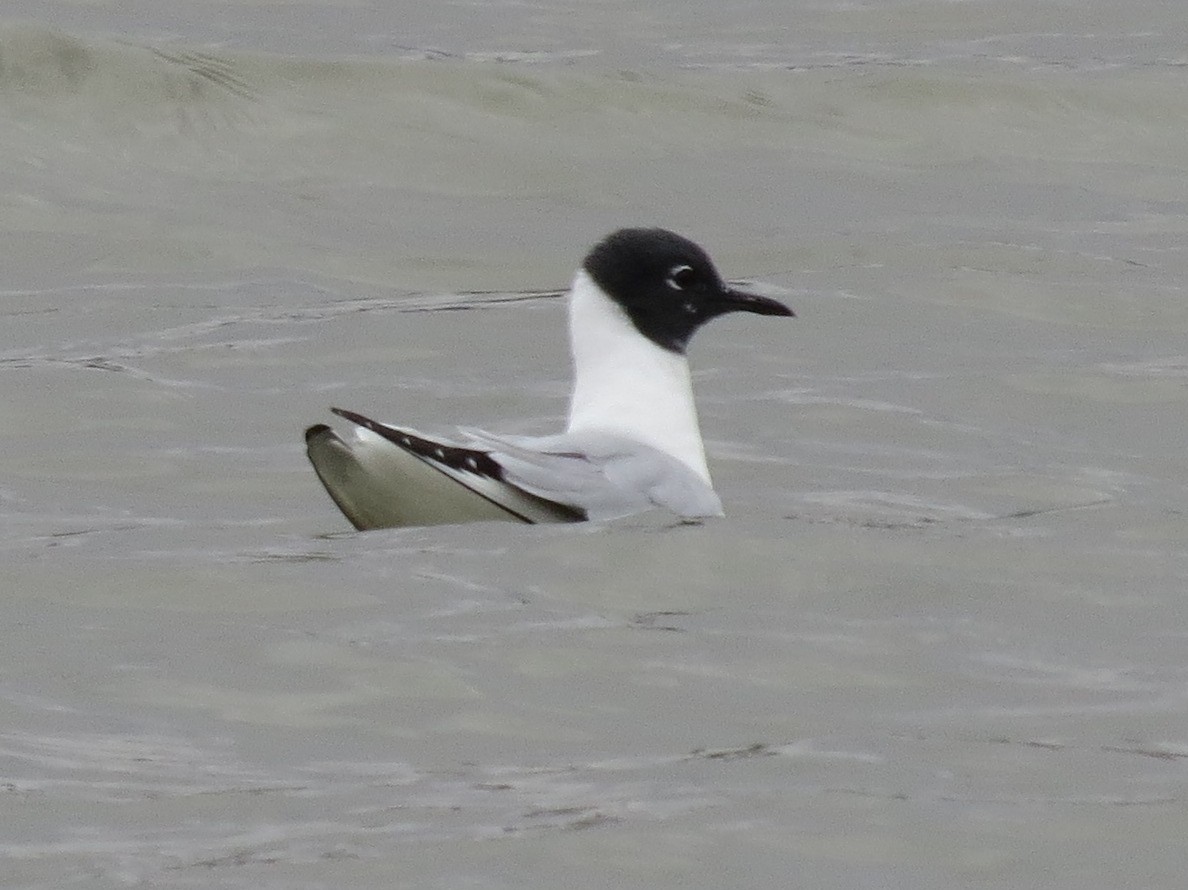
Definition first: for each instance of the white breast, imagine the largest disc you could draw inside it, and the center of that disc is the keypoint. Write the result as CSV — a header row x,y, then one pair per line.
x,y
626,384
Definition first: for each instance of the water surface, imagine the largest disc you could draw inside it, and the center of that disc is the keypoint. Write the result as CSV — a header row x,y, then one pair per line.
x,y
939,639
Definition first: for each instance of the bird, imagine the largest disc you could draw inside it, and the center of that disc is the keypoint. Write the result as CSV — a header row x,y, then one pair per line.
x,y
632,441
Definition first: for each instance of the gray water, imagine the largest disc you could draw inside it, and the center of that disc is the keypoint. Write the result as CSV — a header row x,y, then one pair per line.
x,y
940,639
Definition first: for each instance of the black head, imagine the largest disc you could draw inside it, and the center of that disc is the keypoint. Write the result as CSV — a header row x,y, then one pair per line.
x,y
667,285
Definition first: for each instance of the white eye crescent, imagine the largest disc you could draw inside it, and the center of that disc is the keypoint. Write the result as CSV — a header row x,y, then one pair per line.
x,y
681,277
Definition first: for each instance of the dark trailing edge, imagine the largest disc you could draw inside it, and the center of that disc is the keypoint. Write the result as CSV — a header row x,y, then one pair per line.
x,y
468,460
456,457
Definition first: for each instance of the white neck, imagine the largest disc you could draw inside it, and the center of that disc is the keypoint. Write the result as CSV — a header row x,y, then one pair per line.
x,y
626,384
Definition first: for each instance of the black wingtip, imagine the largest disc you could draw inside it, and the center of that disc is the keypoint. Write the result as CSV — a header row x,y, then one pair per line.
x,y
315,430
356,418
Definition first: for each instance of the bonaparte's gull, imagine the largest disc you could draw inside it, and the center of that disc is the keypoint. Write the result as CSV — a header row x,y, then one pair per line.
x,y
632,441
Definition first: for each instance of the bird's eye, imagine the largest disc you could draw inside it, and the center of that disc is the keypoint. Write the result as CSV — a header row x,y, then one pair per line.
x,y
681,277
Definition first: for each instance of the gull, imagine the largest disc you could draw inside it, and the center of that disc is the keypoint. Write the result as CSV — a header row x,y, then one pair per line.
x,y
632,441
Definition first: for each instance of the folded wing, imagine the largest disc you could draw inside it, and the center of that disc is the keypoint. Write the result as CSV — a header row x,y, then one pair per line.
x,y
381,476
604,475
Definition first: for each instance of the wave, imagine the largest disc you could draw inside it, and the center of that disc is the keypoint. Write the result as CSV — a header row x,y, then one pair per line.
x,y
44,73
124,89
159,157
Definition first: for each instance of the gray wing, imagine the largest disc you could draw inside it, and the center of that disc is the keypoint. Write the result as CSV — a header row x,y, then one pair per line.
x,y
604,475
